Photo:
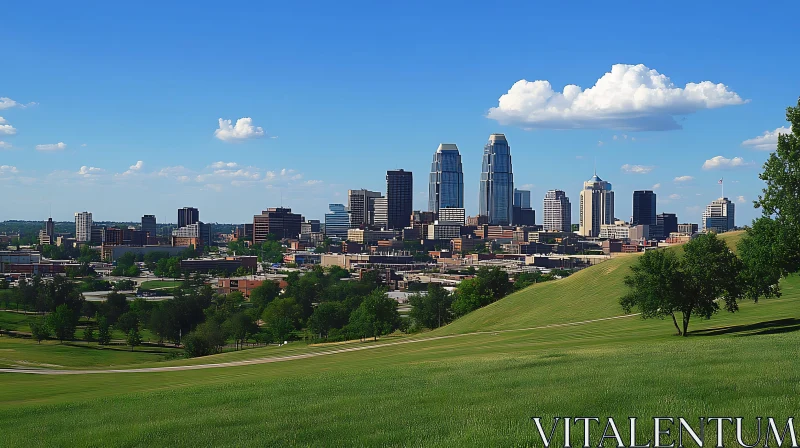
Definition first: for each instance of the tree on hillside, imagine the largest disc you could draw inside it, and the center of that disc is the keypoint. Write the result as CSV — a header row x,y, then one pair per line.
x,y
134,338
433,309
261,296
40,330
764,259
780,199
655,286
62,321
88,334
103,331
376,316
488,285
708,274
327,316
241,326
282,316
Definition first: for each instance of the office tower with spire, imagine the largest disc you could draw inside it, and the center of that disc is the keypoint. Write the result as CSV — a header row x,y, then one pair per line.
x,y
597,206
446,182
557,212
497,182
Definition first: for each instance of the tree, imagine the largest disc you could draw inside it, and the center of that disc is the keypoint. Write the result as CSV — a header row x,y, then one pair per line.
x,y
377,315
655,286
88,334
282,316
261,296
103,331
40,330
62,321
134,339
780,197
127,322
762,253
208,338
327,316
241,326
433,309
487,286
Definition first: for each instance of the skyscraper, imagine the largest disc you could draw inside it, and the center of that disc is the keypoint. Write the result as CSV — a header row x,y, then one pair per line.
x,y
337,221
523,214
557,212
597,206
359,206
399,198
644,208
149,225
718,216
522,198
379,209
668,223
188,216
83,226
446,187
497,182
277,221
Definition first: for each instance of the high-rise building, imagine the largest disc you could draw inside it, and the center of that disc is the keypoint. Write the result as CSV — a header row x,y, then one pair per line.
x,y
309,226
453,214
83,226
48,234
522,198
196,234
188,216
337,221
497,182
644,208
687,228
379,209
718,216
277,221
522,213
149,225
668,223
399,198
359,206
557,212
597,206
446,185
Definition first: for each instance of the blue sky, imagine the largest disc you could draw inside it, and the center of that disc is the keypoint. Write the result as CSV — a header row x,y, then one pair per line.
x,y
338,93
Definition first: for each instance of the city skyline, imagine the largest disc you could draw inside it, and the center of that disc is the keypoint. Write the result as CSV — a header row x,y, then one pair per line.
x,y
243,134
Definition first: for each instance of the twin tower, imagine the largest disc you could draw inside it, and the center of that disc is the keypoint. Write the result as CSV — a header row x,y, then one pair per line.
x,y
446,189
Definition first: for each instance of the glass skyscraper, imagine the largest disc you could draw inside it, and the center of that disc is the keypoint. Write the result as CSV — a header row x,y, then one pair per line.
x,y
446,188
497,182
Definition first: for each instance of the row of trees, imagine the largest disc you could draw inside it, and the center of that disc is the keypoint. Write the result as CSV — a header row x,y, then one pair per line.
x,y
709,276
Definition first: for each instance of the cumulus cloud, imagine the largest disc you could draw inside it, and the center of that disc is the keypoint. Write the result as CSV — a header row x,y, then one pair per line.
x,y
220,164
6,128
636,169
629,97
8,103
720,162
89,171
767,141
8,169
741,199
674,196
684,178
242,130
51,146
5,145
656,186
135,168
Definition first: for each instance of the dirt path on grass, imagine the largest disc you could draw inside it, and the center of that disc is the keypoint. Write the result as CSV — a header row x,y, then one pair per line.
x,y
272,359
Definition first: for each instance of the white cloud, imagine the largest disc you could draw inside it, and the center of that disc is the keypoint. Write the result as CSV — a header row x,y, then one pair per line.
x,y
684,178
5,145
629,97
6,128
243,130
135,168
741,199
600,143
636,169
183,178
221,164
313,182
89,171
656,186
214,187
767,141
83,145
720,162
674,196
51,147
8,169
528,187
7,103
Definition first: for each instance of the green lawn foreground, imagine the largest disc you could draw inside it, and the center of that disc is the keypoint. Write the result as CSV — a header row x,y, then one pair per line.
x,y
159,284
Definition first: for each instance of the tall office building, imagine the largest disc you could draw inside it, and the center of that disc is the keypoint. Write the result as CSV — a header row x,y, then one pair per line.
x,y
359,206
399,198
523,214
277,221
644,208
337,221
497,182
557,212
188,216
522,198
453,214
48,234
83,226
668,222
149,225
446,185
379,212
597,206
718,216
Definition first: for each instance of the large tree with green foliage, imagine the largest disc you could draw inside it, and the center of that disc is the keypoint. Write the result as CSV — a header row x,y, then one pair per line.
x,y
40,330
62,321
488,285
655,286
376,316
433,309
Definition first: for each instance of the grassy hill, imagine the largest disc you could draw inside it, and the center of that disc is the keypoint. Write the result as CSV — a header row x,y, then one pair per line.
x,y
459,389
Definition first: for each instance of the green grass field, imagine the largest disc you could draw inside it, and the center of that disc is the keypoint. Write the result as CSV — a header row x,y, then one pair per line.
x,y
461,389
159,284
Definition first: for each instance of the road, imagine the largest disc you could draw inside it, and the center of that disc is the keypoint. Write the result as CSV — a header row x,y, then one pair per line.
x,y
273,359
